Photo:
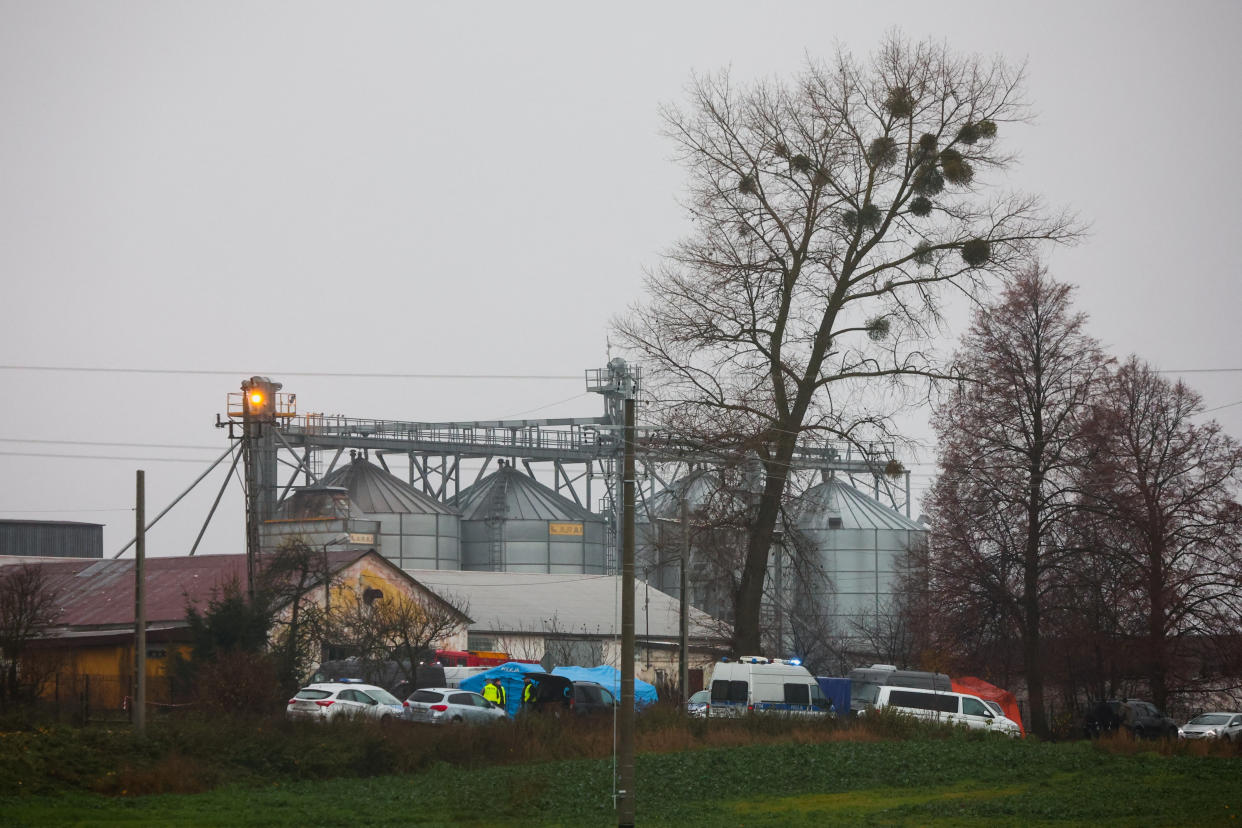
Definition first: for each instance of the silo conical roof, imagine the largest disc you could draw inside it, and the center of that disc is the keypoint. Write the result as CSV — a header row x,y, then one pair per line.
x,y
318,502
376,492
835,498
523,498
701,489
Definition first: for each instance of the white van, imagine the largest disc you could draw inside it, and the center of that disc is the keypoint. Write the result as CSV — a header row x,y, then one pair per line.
x,y
947,707
753,684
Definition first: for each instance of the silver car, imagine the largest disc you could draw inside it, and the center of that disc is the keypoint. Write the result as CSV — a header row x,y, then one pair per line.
x,y
331,700
699,704
448,705
1227,726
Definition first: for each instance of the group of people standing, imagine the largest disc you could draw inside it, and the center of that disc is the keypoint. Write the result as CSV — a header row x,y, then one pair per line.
x,y
494,692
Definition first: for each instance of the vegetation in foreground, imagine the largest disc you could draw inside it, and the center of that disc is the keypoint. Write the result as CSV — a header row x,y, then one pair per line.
x,y
752,772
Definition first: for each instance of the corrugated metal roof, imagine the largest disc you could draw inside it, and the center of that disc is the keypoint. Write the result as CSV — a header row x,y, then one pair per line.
x,y
569,604
376,492
836,499
524,498
94,593
44,538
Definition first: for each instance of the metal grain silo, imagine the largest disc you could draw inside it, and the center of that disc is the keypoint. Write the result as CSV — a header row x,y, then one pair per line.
x,y
415,531
513,523
657,556
861,547
320,517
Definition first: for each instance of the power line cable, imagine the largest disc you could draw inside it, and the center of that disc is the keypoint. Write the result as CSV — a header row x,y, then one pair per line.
x,y
542,407
102,457
61,511
339,374
97,443
1200,371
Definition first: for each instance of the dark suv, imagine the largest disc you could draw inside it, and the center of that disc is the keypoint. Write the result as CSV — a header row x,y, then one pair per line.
x,y
557,694
1140,718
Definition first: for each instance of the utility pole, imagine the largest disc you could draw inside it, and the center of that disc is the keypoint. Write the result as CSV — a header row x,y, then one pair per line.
x,y
140,610
625,716
683,662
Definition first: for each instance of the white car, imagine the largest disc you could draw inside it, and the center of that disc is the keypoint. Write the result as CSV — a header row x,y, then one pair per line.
x,y
333,699
1227,726
450,705
945,707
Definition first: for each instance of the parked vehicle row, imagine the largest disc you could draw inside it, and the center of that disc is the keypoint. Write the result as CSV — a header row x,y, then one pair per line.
x,y
327,701
748,685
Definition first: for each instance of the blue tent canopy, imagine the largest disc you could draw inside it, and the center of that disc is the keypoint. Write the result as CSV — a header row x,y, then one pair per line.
x,y
610,677
838,692
510,675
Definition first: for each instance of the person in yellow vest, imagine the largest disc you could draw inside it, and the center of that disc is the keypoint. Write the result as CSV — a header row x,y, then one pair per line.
x,y
530,693
494,692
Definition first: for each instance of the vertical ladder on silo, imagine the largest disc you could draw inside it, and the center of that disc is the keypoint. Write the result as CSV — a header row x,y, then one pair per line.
x,y
496,520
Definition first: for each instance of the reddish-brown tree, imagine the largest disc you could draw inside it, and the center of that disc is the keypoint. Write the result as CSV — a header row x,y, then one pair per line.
x,y
1011,436
1167,523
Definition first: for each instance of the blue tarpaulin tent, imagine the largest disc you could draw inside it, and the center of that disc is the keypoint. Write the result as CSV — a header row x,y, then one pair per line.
x,y
610,677
837,690
510,675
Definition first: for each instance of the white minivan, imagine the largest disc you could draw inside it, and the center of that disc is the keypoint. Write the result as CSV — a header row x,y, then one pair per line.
x,y
753,684
944,706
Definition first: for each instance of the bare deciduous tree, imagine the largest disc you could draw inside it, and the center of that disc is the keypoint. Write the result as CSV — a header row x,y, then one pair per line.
x,y
829,215
378,628
1169,524
27,607
1012,439
287,585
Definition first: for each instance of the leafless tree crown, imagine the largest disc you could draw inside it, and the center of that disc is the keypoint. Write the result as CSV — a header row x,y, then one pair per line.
x,y
829,214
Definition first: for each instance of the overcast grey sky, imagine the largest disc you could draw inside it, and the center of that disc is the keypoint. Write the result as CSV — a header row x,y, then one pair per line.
x,y
414,188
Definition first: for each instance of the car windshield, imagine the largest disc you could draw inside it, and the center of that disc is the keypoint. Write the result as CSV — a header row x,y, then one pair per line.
x,y
701,697
383,696
864,694
1211,719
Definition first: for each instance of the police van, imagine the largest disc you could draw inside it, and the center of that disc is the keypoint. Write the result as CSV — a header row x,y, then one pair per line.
x,y
754,684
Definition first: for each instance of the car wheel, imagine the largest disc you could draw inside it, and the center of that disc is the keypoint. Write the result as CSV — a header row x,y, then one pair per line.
x,y
458,720
385,719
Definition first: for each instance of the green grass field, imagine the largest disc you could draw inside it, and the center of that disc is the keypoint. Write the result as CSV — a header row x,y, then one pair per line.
x,y
924,780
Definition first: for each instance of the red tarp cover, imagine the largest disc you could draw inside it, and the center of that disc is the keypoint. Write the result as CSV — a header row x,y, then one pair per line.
x,y
990,692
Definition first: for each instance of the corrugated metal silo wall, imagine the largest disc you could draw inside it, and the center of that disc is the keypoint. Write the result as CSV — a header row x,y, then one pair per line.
x,y
51,540
531,546
864,567
422,541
